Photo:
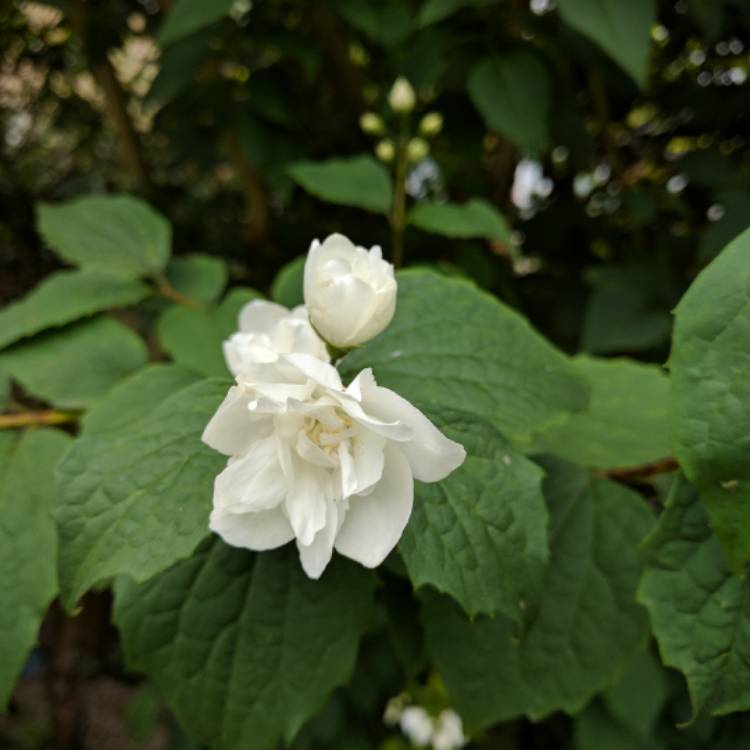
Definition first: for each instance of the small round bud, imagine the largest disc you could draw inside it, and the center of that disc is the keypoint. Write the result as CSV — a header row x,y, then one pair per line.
x,y
385,150
402,97
417,149
371,124
432,124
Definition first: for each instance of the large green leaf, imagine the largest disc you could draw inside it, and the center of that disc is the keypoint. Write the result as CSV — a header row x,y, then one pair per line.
x,y
700,612
188,16
626,423
202,278
135,497
245,647
73,367
193,338
513,94
710,366
475,218
481,534
27,544
115,233
66,296
354,181
584,625
457,346
622,30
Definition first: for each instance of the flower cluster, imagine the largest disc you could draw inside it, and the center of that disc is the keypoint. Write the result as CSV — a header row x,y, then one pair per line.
x,y
312,460
442,731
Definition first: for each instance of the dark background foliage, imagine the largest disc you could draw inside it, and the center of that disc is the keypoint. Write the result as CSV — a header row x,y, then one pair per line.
x,y
631,191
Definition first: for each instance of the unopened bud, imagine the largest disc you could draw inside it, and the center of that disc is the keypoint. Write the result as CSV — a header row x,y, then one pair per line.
x,y
402,97
432,124
417,149
371,124
385,150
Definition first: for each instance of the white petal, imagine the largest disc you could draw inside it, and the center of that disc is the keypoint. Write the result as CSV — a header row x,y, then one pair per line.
x,y
321,373
374,522
361,461
266,529
316,555
253,481
232,428
431,455
307,499
261,316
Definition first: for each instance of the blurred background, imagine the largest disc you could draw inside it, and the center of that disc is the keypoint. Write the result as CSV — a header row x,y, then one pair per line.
x,y
610,158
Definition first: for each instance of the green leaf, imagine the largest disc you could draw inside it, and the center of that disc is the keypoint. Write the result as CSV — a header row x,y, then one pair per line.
x,y
64,297
4,390
625,312
27,544
245,647
700,612
114,233
622,30
354,181
287,288
73,367
626,423
434,11
135,498
513,93
637,698
710,366
178,65
584,625
595,729
481,534
137,397
188,16
452,344
387,24
193,338
475,218
199,277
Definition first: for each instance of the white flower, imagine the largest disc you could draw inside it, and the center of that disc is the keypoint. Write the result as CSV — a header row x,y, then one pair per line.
x,y
350,292
416,724
449,731
402,97
312,461
267,330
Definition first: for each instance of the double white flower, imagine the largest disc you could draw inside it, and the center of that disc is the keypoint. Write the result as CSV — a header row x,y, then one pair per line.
x,y
309,459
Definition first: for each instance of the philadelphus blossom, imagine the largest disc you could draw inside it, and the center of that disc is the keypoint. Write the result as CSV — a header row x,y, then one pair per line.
x,y
329,466
267,330
350,292
310,460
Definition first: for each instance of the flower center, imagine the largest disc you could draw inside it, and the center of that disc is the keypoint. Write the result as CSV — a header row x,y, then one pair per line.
x,y
326,433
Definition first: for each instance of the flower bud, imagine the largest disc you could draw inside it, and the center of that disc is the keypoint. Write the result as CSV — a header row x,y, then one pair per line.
x,y
385,150
432,124
402,97
371,124
417,149
350,292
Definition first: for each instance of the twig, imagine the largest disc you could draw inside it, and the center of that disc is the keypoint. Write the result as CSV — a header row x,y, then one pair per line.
x,y
256,201
30,418
166,290
398,210
636,473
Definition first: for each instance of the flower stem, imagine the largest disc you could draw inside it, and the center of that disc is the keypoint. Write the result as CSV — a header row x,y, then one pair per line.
x,y
398,209
29,418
